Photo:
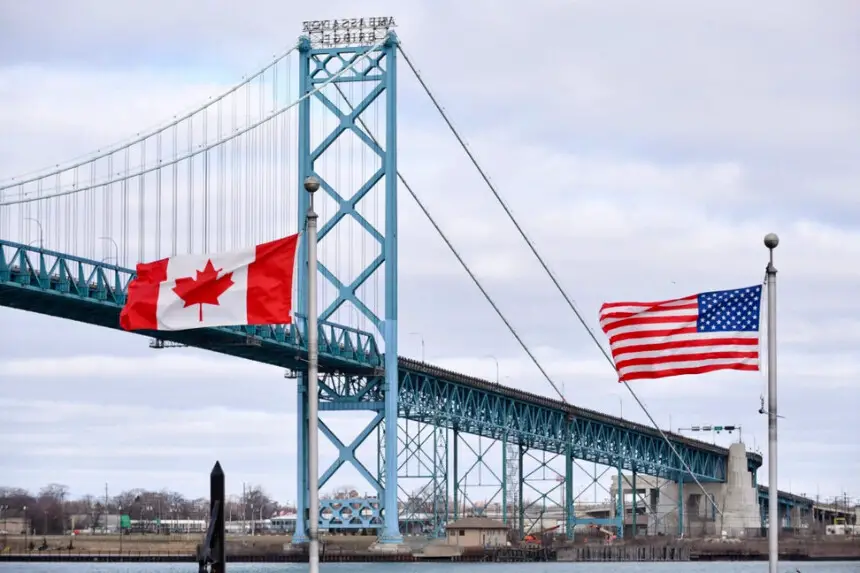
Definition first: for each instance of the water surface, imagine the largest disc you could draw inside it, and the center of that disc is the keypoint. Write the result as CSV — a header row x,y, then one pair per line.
x,y
720,567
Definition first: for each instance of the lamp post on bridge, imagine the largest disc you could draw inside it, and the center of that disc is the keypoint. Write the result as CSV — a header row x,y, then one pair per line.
x,y
421,337
41,231
115,245
620,406
496,360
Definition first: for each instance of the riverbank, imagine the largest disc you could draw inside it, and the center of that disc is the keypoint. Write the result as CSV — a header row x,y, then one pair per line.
x,y
821,548
797,549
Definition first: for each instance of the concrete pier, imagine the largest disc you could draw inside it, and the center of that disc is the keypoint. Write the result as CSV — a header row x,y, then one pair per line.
x,y
683,509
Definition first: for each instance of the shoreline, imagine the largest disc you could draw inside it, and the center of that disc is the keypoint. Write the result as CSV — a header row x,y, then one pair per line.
x,y
372,557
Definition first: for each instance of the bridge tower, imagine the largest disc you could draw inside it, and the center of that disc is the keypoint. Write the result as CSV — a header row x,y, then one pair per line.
x,y
330,70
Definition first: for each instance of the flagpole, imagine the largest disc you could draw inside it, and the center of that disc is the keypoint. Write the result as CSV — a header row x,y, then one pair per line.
x,y
771,241
312,184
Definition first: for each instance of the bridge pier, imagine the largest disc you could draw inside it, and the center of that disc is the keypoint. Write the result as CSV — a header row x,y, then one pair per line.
x,y
327,75
635,497
423,462
521,508
619,502
680,503
569,505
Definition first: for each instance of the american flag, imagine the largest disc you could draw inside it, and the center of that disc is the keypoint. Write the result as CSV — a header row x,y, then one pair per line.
x,y
709,331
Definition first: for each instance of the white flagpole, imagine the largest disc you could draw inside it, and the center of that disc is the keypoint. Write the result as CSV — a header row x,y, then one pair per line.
x,y
312,184
771,241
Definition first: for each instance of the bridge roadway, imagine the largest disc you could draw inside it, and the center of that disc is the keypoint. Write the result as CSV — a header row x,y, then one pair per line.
x,y
56,284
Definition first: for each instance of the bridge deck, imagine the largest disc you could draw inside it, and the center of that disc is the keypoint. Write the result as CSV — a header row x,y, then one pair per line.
x,y
93,292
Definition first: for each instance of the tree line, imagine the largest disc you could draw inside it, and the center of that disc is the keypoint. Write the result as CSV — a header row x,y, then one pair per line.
x,y
52,511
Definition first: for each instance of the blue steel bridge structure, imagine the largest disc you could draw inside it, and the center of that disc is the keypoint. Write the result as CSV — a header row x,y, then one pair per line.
x,y
229,174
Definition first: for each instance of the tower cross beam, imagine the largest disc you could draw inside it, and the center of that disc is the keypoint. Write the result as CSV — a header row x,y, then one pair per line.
x,y
347,453
348,122
348,207
324,55
347,293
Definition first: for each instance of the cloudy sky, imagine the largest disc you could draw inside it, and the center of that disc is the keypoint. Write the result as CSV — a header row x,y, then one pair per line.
x,y
645,148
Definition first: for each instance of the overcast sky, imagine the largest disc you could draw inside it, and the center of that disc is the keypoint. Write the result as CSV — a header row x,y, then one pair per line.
x,y
645,147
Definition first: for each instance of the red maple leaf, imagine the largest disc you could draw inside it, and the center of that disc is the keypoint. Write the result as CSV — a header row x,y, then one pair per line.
x,y
205,289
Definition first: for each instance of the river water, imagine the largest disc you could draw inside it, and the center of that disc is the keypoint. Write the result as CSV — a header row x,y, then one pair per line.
x,y
723,567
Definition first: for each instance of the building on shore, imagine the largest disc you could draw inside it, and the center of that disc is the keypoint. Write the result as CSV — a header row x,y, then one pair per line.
x,y
477,532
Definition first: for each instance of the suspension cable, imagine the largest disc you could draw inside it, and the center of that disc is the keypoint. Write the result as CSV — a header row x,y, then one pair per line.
x,y
545,266
25,198
140,137
459,257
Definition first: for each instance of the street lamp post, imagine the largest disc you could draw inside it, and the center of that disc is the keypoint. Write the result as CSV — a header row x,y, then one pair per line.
x,y
421,337
620,406
41,232
496,360
116,247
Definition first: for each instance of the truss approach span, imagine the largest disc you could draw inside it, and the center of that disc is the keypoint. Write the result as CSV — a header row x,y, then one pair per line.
x,y
93,292
471,405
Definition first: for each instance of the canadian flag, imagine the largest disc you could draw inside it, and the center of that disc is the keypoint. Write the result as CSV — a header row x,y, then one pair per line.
x,y
251,286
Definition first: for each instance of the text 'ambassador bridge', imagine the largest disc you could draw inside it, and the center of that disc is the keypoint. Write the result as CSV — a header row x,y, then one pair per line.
x,y
229,174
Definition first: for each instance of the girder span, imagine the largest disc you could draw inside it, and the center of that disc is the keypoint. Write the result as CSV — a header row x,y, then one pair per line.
x,y
93,292
56,284
480,407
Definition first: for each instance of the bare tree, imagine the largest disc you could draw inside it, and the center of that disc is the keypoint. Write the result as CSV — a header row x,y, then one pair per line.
x,y
341,492
257,501
49,515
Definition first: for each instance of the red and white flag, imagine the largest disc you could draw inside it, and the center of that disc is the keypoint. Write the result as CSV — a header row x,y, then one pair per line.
x,y
704,332
250,286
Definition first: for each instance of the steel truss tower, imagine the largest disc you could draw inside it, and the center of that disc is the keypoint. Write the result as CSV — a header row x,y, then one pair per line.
x,y
344,391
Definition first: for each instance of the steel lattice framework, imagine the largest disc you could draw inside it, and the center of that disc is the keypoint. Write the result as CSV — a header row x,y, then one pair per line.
x,y
318,67
56,284
360,368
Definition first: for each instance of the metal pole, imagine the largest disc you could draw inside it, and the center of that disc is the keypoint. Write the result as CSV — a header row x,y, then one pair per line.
x,y
771,241
312,184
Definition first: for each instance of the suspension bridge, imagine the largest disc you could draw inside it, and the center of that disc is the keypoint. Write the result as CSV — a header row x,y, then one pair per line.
x,y
228,174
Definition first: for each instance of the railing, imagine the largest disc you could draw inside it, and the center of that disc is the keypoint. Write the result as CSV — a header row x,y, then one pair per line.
x,y
75,279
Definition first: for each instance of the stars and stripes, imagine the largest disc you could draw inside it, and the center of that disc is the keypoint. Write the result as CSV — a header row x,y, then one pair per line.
x,y
700,333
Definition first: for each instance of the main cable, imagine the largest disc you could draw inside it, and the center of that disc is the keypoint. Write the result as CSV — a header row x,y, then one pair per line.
x,y
80,161
545,266
24,196
457,255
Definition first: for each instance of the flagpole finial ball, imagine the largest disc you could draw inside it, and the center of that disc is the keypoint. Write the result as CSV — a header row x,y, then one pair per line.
x,y
312,184
771,240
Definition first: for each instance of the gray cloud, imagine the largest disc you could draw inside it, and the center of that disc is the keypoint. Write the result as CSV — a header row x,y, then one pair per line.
x,y
646,150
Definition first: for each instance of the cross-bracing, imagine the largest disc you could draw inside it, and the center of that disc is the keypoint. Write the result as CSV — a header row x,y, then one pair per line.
x,y
226,175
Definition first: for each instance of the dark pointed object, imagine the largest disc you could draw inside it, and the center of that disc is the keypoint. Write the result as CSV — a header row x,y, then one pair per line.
x,y
213,550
